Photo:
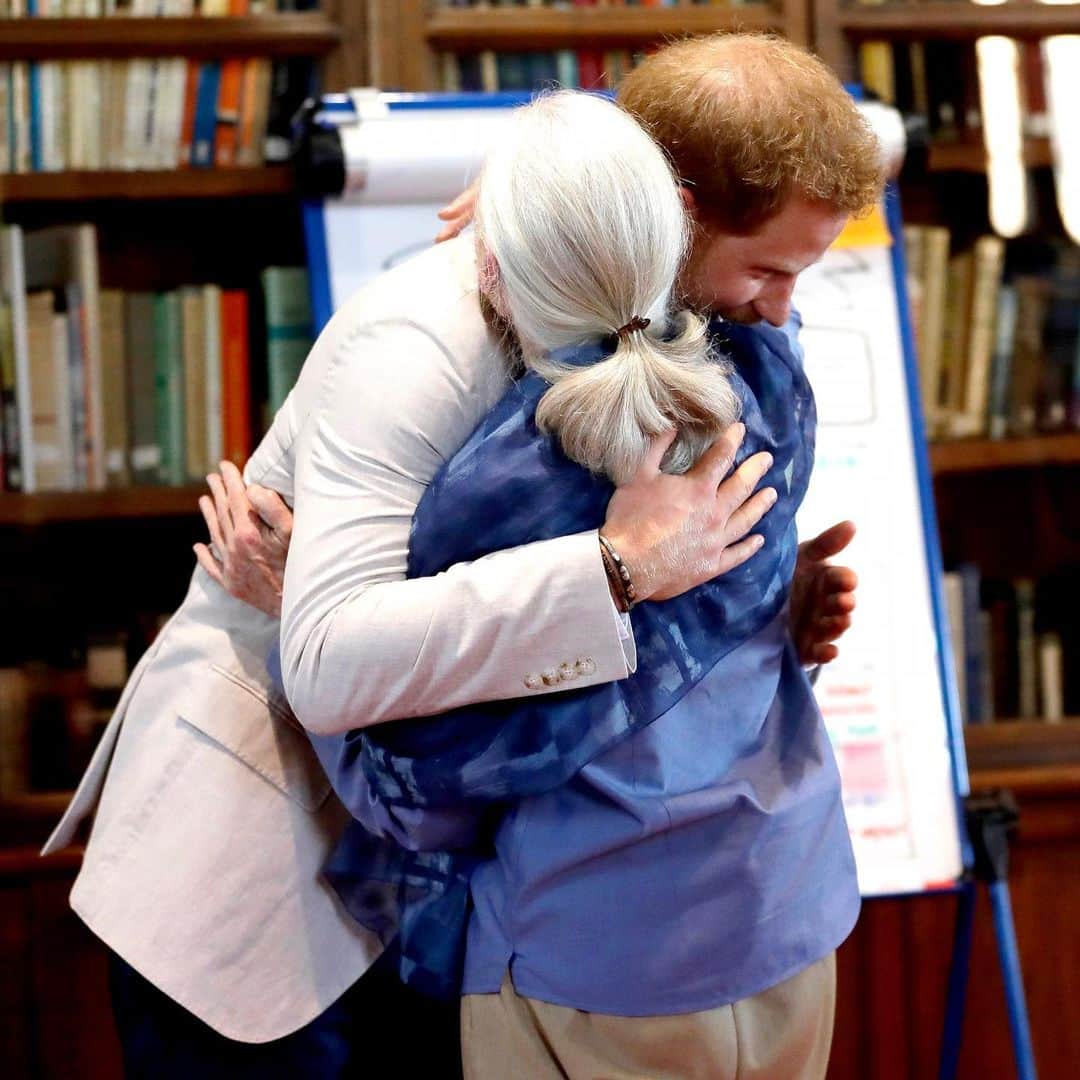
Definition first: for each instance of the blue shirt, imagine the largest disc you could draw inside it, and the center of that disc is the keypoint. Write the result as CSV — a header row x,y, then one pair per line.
x,y
700,861
696,862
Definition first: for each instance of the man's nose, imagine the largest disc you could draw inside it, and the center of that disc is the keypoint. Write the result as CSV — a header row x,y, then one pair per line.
x,y
774,304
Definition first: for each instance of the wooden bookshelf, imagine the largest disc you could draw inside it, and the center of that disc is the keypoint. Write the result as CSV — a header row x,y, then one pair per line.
x,y
968,156
119,503
838,25
950,19
984,455
460,29
290,34
408,35
215,183
1017,745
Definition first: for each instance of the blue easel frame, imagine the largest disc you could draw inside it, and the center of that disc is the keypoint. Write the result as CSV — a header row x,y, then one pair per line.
x,y
1001,905
340,108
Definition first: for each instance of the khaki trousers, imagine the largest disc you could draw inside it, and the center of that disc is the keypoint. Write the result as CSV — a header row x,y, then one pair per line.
x,y
783,1033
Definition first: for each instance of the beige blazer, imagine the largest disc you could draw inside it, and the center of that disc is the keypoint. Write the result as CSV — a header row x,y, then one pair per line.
x,y
212,817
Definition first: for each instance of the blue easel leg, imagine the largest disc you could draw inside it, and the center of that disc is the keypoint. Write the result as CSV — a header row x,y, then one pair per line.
x,y
1014,983
958,979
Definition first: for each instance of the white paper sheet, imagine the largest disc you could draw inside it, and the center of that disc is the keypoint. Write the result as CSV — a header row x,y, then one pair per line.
x,y
882,699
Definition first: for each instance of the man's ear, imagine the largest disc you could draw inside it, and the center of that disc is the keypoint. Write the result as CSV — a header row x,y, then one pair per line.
x,y
688,200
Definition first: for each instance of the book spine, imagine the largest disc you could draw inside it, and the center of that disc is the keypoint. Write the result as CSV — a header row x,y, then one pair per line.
x,y
215,434
169,387
205,131
236,372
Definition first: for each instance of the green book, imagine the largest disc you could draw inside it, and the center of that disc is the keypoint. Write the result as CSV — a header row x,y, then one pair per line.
x,y
169,387
142,444
289,333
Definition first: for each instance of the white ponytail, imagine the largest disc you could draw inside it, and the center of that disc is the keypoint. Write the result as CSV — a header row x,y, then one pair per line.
x,y
582,214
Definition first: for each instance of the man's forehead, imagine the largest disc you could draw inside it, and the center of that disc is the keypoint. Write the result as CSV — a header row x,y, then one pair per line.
x,y
790,243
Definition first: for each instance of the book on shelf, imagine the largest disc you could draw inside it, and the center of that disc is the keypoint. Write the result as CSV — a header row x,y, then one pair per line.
x,y
103,388
289,328
1014,647
937,81
147,113
588,67
997,334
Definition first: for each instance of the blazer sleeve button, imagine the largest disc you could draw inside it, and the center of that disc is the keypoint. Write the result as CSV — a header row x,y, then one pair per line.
x,y
550,677
533,681
585,665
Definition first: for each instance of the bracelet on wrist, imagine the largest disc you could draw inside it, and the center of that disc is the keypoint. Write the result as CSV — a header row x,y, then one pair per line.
x,y
618,574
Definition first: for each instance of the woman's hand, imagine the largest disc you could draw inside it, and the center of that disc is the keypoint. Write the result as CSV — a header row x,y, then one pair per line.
x,y
822,595
459,213
250,529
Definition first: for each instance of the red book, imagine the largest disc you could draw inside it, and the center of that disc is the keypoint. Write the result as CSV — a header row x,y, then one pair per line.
x,y
235,377
590,61
590,64
187,127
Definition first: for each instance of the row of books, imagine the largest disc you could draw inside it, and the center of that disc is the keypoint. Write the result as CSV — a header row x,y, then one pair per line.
x,y
938,80
159,113
593,3
585,69
104,388
1014,651
146,9
997,338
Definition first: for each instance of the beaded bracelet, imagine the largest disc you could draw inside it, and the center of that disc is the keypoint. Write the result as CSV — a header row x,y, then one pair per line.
x,y
618,573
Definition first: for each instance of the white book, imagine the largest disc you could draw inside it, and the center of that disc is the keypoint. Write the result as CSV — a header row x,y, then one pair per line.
x,y
88,278
954,610
73,109
93,75
61,392
215,438
53,110
13,278
169,119
53,257
20,117
1051,678
136,94
5,127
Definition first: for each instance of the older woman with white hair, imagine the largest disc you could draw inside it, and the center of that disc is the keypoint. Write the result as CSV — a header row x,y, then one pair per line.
x,y
646,877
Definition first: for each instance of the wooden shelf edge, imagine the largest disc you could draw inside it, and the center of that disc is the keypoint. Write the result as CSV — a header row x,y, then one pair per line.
x,y
288,34
982,455
967,156
1022,744
942,18
532,28
140,502
1047,781
214,183
25,861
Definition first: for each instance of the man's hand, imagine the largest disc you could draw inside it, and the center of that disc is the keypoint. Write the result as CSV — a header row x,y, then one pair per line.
x,y
459,213
250,531
676,532
822,595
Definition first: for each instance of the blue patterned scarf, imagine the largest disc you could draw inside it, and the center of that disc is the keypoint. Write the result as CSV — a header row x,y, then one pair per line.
x,y
509,485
